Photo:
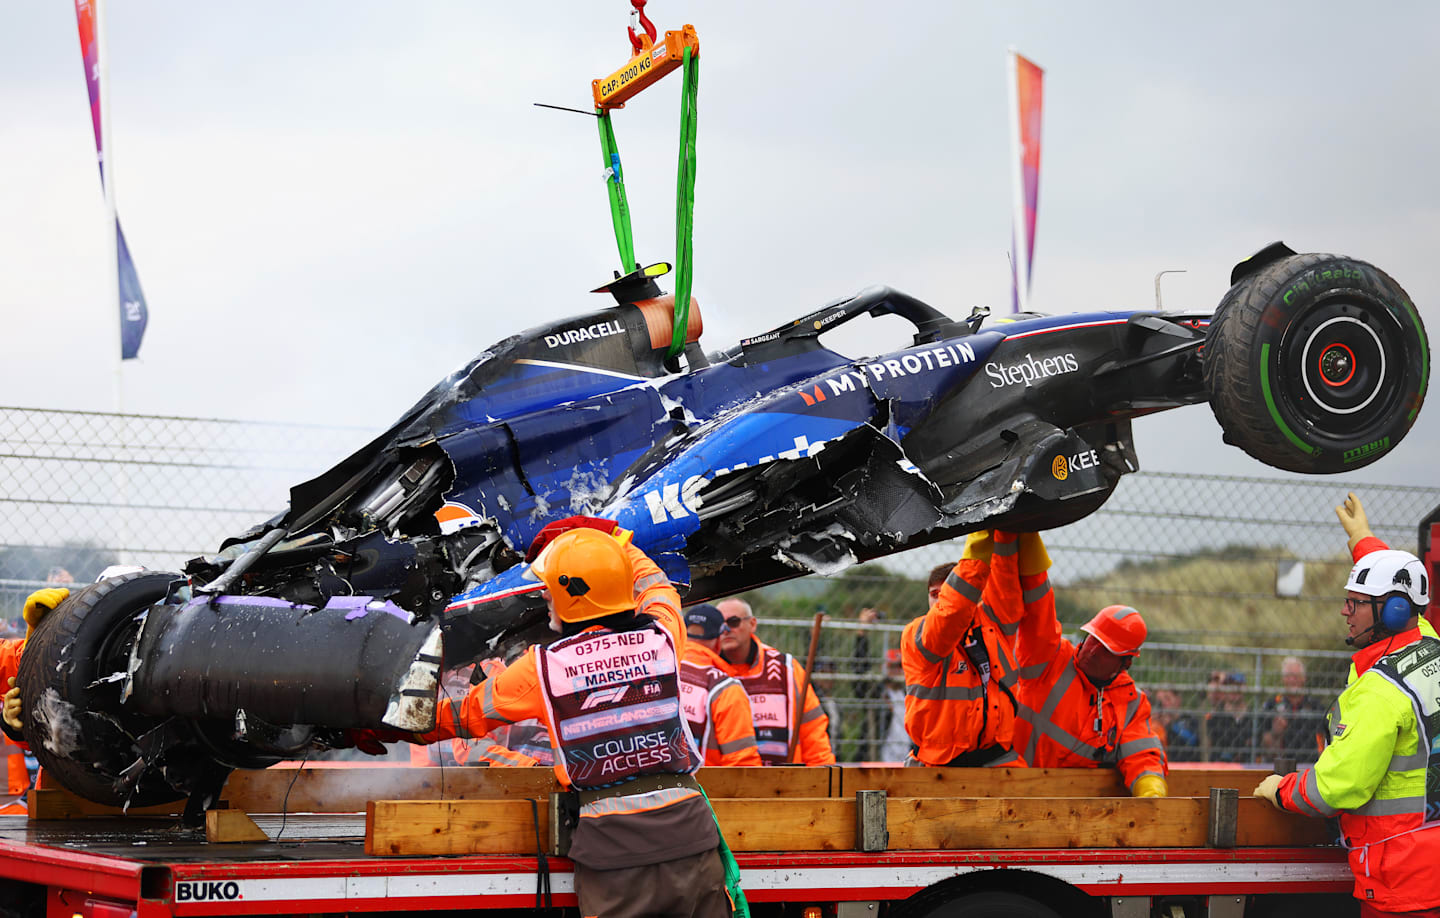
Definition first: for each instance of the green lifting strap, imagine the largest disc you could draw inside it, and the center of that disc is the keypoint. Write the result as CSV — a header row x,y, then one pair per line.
x,y
615,186
740,907
685,203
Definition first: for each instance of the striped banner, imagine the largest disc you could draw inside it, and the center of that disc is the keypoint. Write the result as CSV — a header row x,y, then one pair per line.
x,y
1025,106
134,315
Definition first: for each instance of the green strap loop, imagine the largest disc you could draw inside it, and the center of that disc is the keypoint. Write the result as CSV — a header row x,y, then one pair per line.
x,y
615,187
732,870
685,203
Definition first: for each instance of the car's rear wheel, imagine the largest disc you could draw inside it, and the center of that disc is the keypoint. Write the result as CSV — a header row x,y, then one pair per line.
x,y
1316,364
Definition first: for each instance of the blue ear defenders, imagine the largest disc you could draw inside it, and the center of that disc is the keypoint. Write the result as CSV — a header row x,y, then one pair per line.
x,y
1396,613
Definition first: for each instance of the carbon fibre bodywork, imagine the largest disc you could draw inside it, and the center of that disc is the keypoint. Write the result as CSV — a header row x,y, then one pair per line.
x,y
769,461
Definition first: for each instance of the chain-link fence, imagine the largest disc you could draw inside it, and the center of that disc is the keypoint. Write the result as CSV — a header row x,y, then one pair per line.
x,y
1216,704
1232,574
81,490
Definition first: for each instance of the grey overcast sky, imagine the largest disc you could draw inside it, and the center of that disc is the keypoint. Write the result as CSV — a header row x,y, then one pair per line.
x,y
333,204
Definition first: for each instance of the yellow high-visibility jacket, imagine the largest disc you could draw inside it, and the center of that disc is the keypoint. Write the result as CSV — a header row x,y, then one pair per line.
x,y
1372,775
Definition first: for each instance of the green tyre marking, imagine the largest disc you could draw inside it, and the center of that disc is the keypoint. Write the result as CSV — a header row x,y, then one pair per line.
x,y
1424,354
1275,411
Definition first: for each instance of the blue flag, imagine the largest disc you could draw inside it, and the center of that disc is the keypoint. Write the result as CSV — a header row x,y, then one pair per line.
x,y
133,313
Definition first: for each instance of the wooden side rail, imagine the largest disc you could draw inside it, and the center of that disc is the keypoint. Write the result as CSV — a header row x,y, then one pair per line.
x,y
420,828
1030,782
348,790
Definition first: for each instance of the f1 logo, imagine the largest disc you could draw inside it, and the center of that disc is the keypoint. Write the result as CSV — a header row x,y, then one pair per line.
x,y
604,696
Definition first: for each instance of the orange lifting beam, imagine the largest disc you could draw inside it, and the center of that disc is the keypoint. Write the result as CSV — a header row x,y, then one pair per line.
x,y
652,61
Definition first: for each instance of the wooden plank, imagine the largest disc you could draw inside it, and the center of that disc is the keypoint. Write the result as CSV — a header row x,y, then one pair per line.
x,y
1032,782
56,802
1041,822
787,781
438,827
1261,825
347,790
222,826
1070,822
801,824
982,782
1196,782
417,828
506,826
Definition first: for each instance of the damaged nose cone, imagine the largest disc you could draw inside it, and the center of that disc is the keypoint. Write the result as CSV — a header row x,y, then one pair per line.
x,y
356,662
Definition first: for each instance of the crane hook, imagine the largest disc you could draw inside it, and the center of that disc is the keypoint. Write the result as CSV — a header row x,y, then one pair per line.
x,y
638,15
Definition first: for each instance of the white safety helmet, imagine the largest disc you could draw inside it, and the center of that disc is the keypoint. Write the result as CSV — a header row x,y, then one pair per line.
x,y
1381,573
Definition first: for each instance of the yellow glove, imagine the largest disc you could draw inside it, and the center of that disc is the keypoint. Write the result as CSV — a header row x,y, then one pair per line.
x,y
12,706
1352,517
40,602
1034,559
1149,786
978,546
1269,789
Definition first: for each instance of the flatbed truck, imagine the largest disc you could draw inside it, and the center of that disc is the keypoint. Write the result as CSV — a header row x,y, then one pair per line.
x,y
109,866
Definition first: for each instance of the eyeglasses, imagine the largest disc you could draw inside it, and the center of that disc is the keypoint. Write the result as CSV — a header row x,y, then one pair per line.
x,y
735,620
1353,605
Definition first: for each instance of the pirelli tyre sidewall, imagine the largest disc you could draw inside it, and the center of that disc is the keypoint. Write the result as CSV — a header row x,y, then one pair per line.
x,y
1316,364
73,719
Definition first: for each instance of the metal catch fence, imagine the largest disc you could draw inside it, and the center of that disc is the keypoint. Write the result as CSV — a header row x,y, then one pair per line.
x,y
80,490
1232,574
1216,704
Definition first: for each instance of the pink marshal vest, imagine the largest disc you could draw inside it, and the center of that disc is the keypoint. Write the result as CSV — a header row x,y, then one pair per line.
x,y
772,703
614,698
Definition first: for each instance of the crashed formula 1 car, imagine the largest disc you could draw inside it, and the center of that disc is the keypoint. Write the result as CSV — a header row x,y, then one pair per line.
x,y
770,460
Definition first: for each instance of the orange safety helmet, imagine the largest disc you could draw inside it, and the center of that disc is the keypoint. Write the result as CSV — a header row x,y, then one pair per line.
x,y
1119,628
588,575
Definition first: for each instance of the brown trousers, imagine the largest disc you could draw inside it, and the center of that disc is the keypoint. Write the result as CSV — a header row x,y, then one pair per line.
x,y
688,887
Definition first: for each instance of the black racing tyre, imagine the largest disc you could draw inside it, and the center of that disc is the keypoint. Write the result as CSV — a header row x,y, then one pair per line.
x,y
1316,364
75,723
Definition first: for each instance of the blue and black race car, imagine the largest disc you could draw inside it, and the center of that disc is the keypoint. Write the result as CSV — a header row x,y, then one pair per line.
x,y
779,457
769,460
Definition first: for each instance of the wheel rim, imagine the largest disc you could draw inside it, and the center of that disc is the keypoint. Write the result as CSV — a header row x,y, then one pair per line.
x,y
1344,355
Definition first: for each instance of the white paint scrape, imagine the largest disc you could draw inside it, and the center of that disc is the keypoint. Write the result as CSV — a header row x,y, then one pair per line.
x,y
56,719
